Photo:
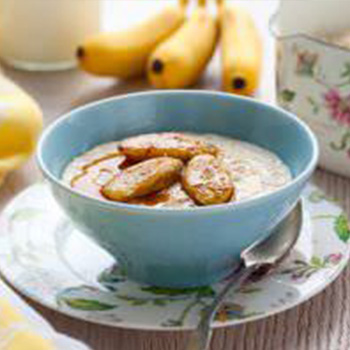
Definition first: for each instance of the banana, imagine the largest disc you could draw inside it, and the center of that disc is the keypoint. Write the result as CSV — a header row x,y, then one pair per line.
x,y
143,178
167,144
124,54
180,60
20,125
207,181
241,50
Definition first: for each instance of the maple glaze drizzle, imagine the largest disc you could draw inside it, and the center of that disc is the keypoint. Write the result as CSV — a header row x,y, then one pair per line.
x,y
86,167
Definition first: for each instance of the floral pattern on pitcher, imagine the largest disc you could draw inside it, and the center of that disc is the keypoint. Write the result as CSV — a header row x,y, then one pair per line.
x,y
306,62
314,83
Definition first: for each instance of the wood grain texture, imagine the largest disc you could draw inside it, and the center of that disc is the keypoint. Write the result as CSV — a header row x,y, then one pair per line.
x,y
322,323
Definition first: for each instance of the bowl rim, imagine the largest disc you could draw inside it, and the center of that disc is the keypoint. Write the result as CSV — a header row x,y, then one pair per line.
x,y
134,208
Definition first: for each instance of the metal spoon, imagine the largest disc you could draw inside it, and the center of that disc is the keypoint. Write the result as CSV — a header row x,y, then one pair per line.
x,y
263,256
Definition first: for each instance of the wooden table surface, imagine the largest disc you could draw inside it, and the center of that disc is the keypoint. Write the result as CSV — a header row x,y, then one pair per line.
x,y
322,323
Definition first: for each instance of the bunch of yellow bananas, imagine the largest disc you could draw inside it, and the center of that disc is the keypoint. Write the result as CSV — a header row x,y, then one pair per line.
x,y
174,50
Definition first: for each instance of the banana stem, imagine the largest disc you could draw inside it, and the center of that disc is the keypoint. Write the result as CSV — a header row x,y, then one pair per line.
x,y
202,3
183,3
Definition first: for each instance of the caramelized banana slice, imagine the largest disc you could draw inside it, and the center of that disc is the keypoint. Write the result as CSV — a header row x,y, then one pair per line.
x,y
143,178
206,181
169,144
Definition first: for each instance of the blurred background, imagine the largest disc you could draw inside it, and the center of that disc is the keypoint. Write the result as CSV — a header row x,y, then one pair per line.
x,y
298,54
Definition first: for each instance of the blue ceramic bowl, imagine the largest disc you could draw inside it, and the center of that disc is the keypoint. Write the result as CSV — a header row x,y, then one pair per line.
x,y
177,247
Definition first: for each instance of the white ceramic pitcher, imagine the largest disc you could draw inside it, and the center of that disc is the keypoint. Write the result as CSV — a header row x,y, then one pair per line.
x,y
313,76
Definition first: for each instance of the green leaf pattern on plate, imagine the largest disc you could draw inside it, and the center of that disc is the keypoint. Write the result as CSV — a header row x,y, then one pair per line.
x,y
317,196
304,270
87,304
342,229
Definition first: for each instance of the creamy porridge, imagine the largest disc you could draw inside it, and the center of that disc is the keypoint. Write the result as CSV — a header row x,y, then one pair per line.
x,y
177,170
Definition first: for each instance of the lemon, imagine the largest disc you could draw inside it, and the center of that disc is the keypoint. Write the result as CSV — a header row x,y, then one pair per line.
x,y
20,126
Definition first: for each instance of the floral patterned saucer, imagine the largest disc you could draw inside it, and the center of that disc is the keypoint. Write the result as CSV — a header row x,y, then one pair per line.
x,y
48,260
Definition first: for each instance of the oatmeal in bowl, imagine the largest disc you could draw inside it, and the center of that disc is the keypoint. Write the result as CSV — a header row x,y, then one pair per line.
x,y
177,170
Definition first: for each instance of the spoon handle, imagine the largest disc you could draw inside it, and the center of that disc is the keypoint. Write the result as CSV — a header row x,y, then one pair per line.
x,y
200,338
